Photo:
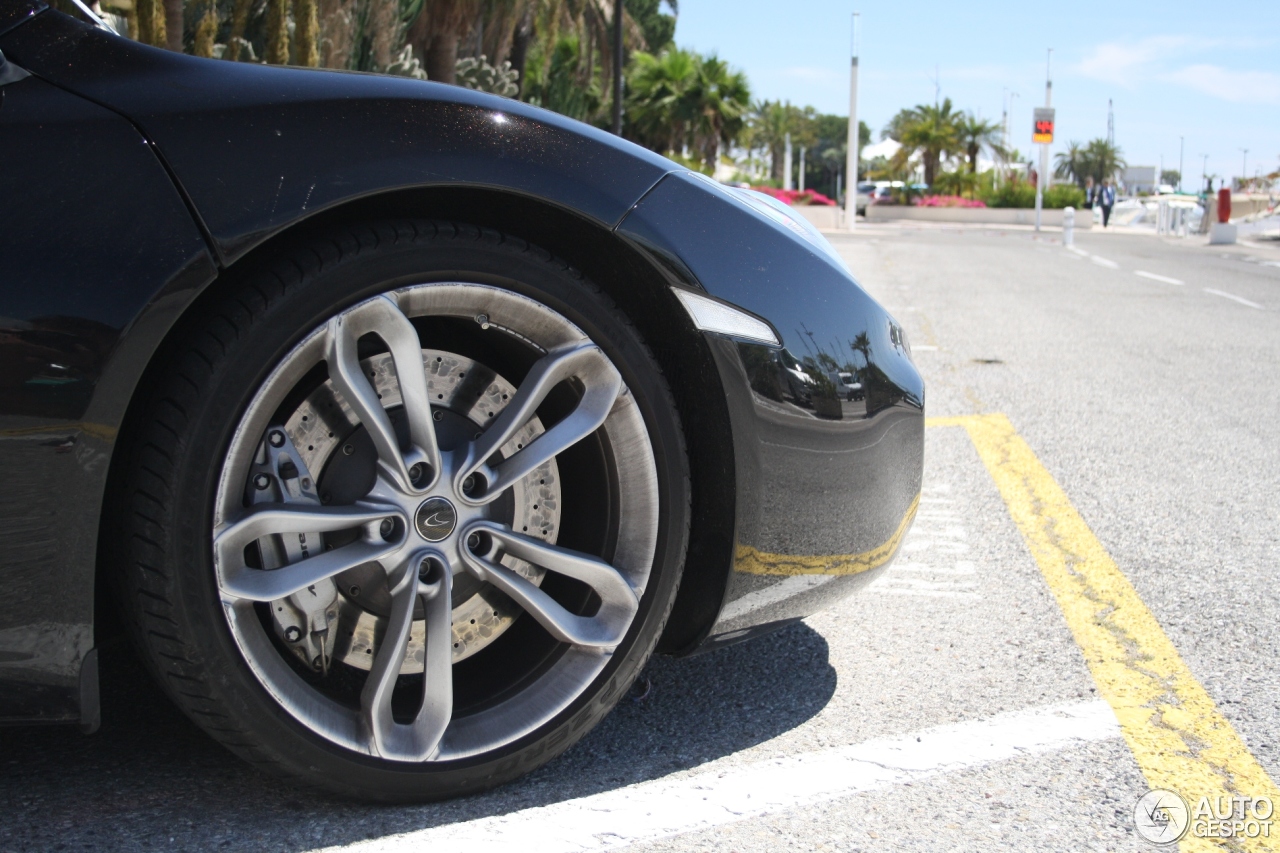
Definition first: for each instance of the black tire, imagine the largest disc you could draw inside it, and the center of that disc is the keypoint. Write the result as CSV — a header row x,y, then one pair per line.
x,y
205,378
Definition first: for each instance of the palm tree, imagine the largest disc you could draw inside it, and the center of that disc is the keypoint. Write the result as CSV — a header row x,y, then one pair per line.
x,y
717,104
173,24
974,134
658,114
767,128
151,23
933,132
1072,163
1105,160
435,31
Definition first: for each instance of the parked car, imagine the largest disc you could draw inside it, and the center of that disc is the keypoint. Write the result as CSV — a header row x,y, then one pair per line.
x,y
866,195
397,422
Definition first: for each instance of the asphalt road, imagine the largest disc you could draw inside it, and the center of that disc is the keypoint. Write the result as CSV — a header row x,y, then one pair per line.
x,y
949,705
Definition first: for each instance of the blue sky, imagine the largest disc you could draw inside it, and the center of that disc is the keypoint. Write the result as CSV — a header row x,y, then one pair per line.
x,y
1208,71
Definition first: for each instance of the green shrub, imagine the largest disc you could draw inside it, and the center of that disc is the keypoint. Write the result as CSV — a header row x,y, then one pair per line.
x,y
1017,193
1013,193
1059,196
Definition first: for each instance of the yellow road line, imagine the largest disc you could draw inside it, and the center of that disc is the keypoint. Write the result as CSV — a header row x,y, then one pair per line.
x,y
756,562
1175,731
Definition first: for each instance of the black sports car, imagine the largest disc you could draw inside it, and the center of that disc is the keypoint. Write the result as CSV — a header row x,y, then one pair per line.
x,y
401,423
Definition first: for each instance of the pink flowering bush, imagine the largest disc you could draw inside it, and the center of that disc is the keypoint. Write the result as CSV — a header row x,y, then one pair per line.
x,y
794,197
949,201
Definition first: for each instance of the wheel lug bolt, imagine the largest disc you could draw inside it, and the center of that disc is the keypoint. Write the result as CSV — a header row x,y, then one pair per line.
x,y
429,571
415,472
355,591
276,438
438,415
386,527
473,541
469,484
261,481
292,634
348,449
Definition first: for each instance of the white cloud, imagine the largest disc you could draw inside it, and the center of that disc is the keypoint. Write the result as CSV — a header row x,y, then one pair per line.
x,y
1241,87
1125,63
1160,58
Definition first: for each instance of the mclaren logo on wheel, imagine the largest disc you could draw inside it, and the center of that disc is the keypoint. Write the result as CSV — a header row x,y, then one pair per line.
x,y
435,519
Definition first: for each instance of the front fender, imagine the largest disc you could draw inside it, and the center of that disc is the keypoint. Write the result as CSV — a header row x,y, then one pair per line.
x,y
259,148
825,489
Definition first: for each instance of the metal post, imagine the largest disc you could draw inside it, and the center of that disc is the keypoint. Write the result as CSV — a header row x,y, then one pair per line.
x,y
1012,123
1068,226
800,183
851,149
786,164
1043,177
1181,148
617,67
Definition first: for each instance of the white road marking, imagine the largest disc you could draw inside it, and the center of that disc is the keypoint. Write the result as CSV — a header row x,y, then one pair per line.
x,y
753,601
1103,262
1155,277
1232,297
924,347
649,811
928,565
1271,263
1078,251
962,567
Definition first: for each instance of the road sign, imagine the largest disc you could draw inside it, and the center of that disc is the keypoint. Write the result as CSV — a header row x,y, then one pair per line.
x,y
1044,125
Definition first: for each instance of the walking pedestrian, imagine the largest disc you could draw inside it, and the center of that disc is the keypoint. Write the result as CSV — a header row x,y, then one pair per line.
x,y
1106,200
1090,193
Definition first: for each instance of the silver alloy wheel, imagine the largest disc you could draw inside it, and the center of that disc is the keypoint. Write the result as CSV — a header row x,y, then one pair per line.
x,y
427,522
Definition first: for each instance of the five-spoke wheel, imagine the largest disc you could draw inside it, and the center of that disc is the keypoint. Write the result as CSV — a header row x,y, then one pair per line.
x,y
446,527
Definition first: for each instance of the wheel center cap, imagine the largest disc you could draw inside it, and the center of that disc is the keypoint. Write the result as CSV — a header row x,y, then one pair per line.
x,y
436,518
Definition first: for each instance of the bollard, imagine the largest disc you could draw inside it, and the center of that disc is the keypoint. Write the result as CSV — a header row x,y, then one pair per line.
x,y
1068,226
1223,232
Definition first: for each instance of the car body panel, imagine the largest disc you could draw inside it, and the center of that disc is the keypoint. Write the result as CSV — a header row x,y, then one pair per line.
x,y
794,551
77,175
215,159
296,142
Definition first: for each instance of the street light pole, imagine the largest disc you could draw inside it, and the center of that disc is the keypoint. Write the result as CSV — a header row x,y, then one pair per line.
x,y
1043,177
1012,120
786,162
1244,167
617,67
1204,170
1181,146
851,146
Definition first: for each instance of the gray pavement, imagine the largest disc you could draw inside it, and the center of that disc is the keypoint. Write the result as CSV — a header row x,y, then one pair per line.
x,y
1153,404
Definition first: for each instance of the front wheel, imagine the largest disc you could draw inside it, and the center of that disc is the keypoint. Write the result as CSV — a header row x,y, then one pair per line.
x,y
406,513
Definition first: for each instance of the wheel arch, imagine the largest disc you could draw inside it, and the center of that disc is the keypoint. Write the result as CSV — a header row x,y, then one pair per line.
x,y
630,279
